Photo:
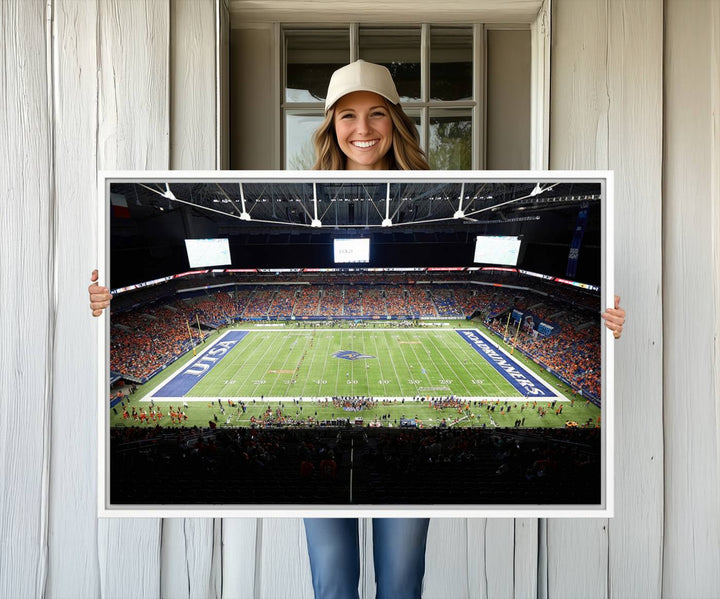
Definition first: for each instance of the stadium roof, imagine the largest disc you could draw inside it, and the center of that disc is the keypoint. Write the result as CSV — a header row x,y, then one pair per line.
x,y
343,204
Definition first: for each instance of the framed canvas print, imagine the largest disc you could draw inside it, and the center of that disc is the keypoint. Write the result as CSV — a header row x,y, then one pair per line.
x,y
386,343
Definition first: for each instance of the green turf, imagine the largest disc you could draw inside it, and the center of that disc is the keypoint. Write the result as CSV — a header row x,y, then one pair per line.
x,y
405,363
292,362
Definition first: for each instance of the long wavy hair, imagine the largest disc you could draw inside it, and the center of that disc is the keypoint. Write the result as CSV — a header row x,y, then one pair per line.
x,y
405,153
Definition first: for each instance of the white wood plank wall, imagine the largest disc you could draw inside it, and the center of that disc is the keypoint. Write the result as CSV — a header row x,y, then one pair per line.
x,y
635,87
27,318
133,133
191,556
691,316
606,113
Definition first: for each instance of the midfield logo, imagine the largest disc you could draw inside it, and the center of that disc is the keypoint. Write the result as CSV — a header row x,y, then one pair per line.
x,y
346,354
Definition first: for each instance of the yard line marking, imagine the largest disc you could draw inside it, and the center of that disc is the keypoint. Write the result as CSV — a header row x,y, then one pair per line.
x,y
380,364
454,372
259,370
486,370
410,373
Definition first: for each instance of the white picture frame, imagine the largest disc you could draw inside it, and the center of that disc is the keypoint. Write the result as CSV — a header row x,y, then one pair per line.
x,y
162,182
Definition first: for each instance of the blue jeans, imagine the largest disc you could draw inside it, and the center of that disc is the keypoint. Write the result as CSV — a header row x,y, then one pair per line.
x,y
398,551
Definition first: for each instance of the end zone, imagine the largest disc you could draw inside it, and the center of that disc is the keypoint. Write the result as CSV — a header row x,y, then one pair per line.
x,y
189,375
523,381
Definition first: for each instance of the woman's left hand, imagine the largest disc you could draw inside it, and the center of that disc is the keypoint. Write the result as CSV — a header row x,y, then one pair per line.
x,y
615,318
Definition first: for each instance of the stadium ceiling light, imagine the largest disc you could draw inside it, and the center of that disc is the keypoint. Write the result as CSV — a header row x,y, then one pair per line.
x,y
460,213
315,222
387,221
244,215
537,190
168,193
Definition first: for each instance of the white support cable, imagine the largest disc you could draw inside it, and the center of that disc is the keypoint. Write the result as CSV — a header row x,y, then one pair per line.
x,y
316,221
227,197
244,215
510,201
388,221
460,213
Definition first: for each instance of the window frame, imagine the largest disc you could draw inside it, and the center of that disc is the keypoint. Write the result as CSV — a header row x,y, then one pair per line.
x,y
476,106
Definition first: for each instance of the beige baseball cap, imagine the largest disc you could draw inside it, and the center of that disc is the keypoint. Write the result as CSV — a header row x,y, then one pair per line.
x,y
361,76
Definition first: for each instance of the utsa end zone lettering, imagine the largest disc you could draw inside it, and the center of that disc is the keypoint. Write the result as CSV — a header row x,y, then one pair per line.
x,y
210,358
506,366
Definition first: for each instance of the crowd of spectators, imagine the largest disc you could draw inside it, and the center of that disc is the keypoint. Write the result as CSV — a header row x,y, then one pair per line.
x,y
445,302
419,303
573,353
396,300
374,302
282,301
149,337
259,302
307,302
331,302
155,465
352,301
214,311
141,342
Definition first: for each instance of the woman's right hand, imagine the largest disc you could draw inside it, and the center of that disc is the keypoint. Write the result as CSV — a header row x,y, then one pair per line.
x,y
99,296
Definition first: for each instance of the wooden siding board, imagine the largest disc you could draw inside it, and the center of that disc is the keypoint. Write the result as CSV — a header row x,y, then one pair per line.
x,y
578,140
133,131
525,574
635,48
691,322
133,127
187,558
282,566
223,90
607,113
190,565
448,559
72,542
715,194
239,558
500,557
26,286
193,85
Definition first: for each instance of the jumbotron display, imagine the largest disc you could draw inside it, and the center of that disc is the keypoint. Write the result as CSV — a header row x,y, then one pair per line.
x,y
351,251
207,252
503,251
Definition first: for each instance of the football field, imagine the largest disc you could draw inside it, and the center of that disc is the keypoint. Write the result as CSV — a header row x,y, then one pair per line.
x,y
289,375
381,363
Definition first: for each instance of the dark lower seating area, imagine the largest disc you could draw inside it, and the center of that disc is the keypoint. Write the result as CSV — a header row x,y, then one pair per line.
x,y
345,465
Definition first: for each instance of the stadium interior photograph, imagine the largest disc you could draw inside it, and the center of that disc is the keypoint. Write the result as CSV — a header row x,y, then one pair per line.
x,y
363,342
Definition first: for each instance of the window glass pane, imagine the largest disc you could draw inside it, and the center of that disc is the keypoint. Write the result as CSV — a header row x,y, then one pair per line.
x,y
299,149
450,139
451,56
398,50
311,57
415,116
